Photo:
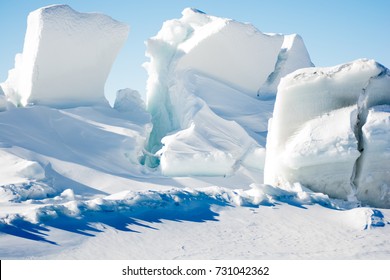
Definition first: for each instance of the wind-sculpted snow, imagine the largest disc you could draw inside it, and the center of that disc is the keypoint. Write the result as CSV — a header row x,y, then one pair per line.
x,y
91,148
66,58
68,204
327,134
210,92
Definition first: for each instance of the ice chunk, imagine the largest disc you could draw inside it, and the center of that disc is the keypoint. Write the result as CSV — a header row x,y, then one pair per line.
x,y
128,100
66,58
373,177
315,135
322,153
204,76
292,56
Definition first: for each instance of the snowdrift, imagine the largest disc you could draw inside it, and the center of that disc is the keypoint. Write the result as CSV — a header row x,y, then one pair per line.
x,y
210,92
66,58
328,132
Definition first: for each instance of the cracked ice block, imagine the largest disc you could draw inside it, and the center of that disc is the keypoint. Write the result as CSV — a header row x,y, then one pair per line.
x,y
373,178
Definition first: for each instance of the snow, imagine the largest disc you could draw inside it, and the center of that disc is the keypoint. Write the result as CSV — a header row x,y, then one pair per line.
x,y
18,170
94,147
315,133
66,58
261,223
203,94
181,177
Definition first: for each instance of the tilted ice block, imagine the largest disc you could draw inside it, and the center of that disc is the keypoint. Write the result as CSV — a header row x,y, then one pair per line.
x,y
373,176
66,57
205,74
315,135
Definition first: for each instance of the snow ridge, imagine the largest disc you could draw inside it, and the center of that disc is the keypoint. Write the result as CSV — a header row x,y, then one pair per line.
x,y
71,205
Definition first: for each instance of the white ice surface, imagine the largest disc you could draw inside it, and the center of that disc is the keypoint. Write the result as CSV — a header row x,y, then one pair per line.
x,y
315,135
66,58
203,93
373,178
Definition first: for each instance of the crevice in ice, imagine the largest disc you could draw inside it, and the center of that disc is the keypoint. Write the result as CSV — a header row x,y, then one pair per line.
x,y
362,106
266,92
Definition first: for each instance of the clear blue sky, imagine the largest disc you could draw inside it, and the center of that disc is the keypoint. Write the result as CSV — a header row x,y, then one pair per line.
x,y
334,31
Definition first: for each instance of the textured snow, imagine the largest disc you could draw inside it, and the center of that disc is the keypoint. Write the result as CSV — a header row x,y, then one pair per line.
x,y
203,93
66,58
315,133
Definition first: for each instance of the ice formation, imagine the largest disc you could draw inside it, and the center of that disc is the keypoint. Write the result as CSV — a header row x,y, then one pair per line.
x,y
66,58
327,133
373,175
3,100
211,92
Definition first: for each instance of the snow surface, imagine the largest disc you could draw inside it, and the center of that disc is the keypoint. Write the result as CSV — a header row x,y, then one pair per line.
x,y
73,184
66,58
205,74
315,133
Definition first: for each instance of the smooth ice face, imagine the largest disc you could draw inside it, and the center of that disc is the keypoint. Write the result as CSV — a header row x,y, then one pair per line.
x,y
316,136
373,177
205,76
66,58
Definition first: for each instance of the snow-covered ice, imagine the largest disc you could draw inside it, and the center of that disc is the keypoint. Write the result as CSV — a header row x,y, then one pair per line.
x,y
66,58
315,136
79,179
204,92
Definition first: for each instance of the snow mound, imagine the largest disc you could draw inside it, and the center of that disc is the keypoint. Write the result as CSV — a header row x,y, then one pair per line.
x,y
90,148
316,136
204,92
66,58
16,170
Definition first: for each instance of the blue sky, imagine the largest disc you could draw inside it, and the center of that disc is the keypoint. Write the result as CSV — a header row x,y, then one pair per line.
x,y
334,31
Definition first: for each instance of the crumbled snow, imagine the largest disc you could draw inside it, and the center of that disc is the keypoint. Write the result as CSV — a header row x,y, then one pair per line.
x,y
66,204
